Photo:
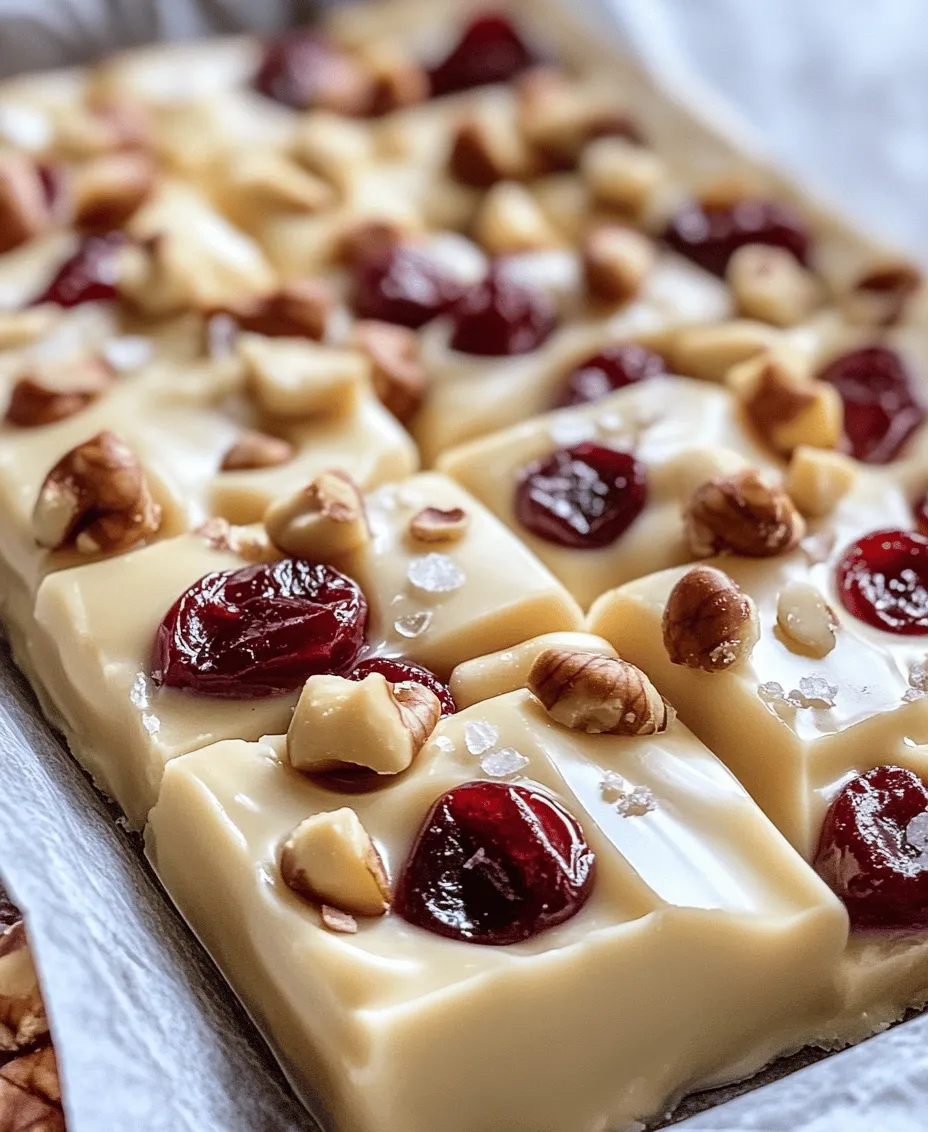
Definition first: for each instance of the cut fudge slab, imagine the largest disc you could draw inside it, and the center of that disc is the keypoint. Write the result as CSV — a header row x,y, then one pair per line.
x,y
678,431
91,648
697,911
793,721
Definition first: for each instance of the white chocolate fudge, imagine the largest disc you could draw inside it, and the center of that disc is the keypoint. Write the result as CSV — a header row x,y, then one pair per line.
x,y
90,649
681,430
794,722
697,901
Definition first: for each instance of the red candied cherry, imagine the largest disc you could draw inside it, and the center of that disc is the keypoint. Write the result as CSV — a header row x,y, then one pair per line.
x,y
496,863
880,408
883,580
489,51
399,284
583,497
613,368
874,849
88,276
260,631
500,317
710,235
396,671
302,68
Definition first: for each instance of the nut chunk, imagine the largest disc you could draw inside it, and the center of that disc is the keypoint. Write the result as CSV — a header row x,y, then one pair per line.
x,y
708,622
368,723
742,514
331,860
597,694
321,521
294,378
24,210
97,496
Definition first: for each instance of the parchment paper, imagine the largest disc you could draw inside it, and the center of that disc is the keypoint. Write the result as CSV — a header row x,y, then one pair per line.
x,y
148,1036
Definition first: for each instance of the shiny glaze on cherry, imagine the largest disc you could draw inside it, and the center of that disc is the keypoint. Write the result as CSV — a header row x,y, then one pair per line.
x,y
614,367
882,580
401,284
709,235
396,670
90,275
500,317
490,50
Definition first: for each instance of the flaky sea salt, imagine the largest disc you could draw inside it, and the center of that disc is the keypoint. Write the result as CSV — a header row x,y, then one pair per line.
x,y
503,762
916,832
480,736
918,681
772,692
435,574
636,802
817,692
412,625
127,353
571,430
138,693
612,785
443,743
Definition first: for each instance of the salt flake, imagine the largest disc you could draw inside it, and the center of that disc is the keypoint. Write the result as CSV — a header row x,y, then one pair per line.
x,y
435,573
772,692
480,736
412,625
503,763
443,743
612,785
636,802
817,692
569,431
916,832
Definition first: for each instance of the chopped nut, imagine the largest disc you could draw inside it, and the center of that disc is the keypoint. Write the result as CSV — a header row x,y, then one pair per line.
x,y
597,694
22,1012
337,921
616,262
709,623
36,1074
256,450
321,521
880,297
818,479
397,373
24,208
98,497
437,524
249,542
332,146
784,407
300,309
397,80
741,514
805,620
54,393
770,284
330,859
709,352
510,221
364,723
110,189
621,174
263,180
291,377
488,148
363,236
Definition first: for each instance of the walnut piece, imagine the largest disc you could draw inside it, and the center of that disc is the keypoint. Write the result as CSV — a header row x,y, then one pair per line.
x,y
96,496
742,514
367,723
439,524
708,622
784,407
22,1012
110,189
805,620
300,309
294,378
621,174
397,374
817,480
880,297
597,694
256,450
54,393
616,262
770,284
510,221
330,859
321,521
24,207
488,147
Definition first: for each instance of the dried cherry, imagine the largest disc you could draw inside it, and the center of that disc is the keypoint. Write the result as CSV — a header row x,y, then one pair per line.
x,y
400,284
710,235
396,671
90,275
490,50
883,580
499,317
612,368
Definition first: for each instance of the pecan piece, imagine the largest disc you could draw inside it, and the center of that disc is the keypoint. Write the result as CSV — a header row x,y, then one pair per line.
x,y
256,450
50,395
709,623
741,514
300,309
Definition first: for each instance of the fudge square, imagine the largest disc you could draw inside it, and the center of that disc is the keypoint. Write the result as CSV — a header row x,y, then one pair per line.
x,y
91,652
823,693
691,925
660,438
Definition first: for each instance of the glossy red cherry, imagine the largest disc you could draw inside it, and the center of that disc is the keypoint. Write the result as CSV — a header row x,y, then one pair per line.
x,y
612,368
302,68
582,497
261,630
399,284
396,670
883,580
880,408
874,849
489,51
496,863
88,276
499,317
710,235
